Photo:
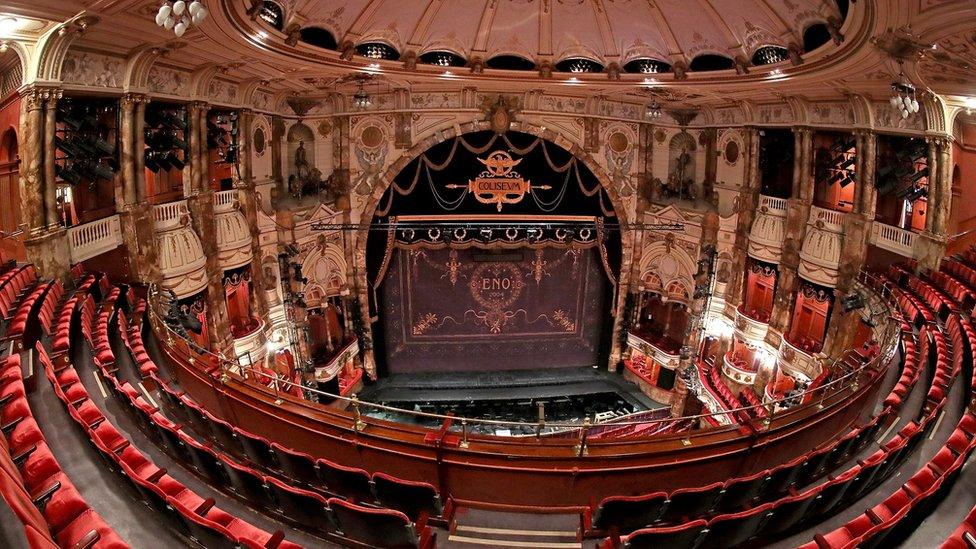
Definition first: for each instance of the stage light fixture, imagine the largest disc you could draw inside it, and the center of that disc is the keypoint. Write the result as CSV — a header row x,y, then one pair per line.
x,y
852,302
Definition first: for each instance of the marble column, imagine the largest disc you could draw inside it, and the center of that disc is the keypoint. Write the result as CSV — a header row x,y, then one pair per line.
x,y
931,244
135,213
32,159
798,212
247,199
51,217
200,204
46,243
841,326
748,201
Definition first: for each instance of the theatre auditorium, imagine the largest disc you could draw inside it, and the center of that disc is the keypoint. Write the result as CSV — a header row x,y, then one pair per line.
x,y
475,274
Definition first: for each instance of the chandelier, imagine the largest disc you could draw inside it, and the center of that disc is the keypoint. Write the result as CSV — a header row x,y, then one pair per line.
x,y
179,15
361,99
903,99
654,109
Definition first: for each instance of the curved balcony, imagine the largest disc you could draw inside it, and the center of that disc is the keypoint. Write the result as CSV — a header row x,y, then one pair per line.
x,y
751,326
737,370
800,357
341,357
820,255
664,351
768,230
830,220
171,215
252,343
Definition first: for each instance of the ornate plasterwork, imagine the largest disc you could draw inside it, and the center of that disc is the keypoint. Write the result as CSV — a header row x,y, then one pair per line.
x,y
766,237
92,69
233,239
181,261
325,268
820,256
168,81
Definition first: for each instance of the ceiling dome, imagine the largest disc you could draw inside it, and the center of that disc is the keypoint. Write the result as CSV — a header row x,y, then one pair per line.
x,y
611,31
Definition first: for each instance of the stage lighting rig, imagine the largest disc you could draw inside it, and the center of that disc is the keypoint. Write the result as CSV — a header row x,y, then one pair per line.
x,y
85,141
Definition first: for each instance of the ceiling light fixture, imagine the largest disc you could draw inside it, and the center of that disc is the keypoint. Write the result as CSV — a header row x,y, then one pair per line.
x,y
178,16
903,99
361,99
654,109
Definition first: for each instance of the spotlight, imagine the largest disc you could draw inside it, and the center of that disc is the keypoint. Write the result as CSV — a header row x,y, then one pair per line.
x,y
852,302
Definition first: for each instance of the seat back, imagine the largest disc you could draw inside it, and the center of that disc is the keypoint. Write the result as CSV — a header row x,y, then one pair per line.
x,y
206,532
303,506
258,450
373,527
296,465
411,498
688,535
246,482
691,502
629,513
351,483
734,529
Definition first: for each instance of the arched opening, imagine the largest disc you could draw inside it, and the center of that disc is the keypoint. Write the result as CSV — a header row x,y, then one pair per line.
x,y
711,62
814,36
681,183
273,14
510,63
490,252
319,37
11,246
303,176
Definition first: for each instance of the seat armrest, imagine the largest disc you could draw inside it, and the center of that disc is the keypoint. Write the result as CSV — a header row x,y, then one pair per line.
x,y
46,493
154,478
88,540
275,540
205,507
19,458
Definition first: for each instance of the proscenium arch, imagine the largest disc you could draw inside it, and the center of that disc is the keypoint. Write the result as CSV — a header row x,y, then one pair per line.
x,y
386,180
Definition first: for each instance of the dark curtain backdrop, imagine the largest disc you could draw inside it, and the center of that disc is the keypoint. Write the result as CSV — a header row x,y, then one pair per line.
x,y
450,310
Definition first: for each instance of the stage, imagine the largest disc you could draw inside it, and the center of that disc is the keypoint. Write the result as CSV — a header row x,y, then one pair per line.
x,y
568,394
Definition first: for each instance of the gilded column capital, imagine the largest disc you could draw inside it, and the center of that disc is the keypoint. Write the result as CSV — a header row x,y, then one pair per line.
x,y
132,98
35,97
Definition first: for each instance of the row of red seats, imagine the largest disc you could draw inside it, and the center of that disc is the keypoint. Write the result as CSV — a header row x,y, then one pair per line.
x,y
873,526
306,506
13,283
718,388
62,329
775,487
956,288
117,450
910,369
914,310
28,311
206,523
624,513
940,303
70,522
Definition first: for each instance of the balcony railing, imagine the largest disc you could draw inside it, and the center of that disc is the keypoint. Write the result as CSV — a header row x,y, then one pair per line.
x,y
95,238
224,200
170,215
893,239
773,205
751,326
832,219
